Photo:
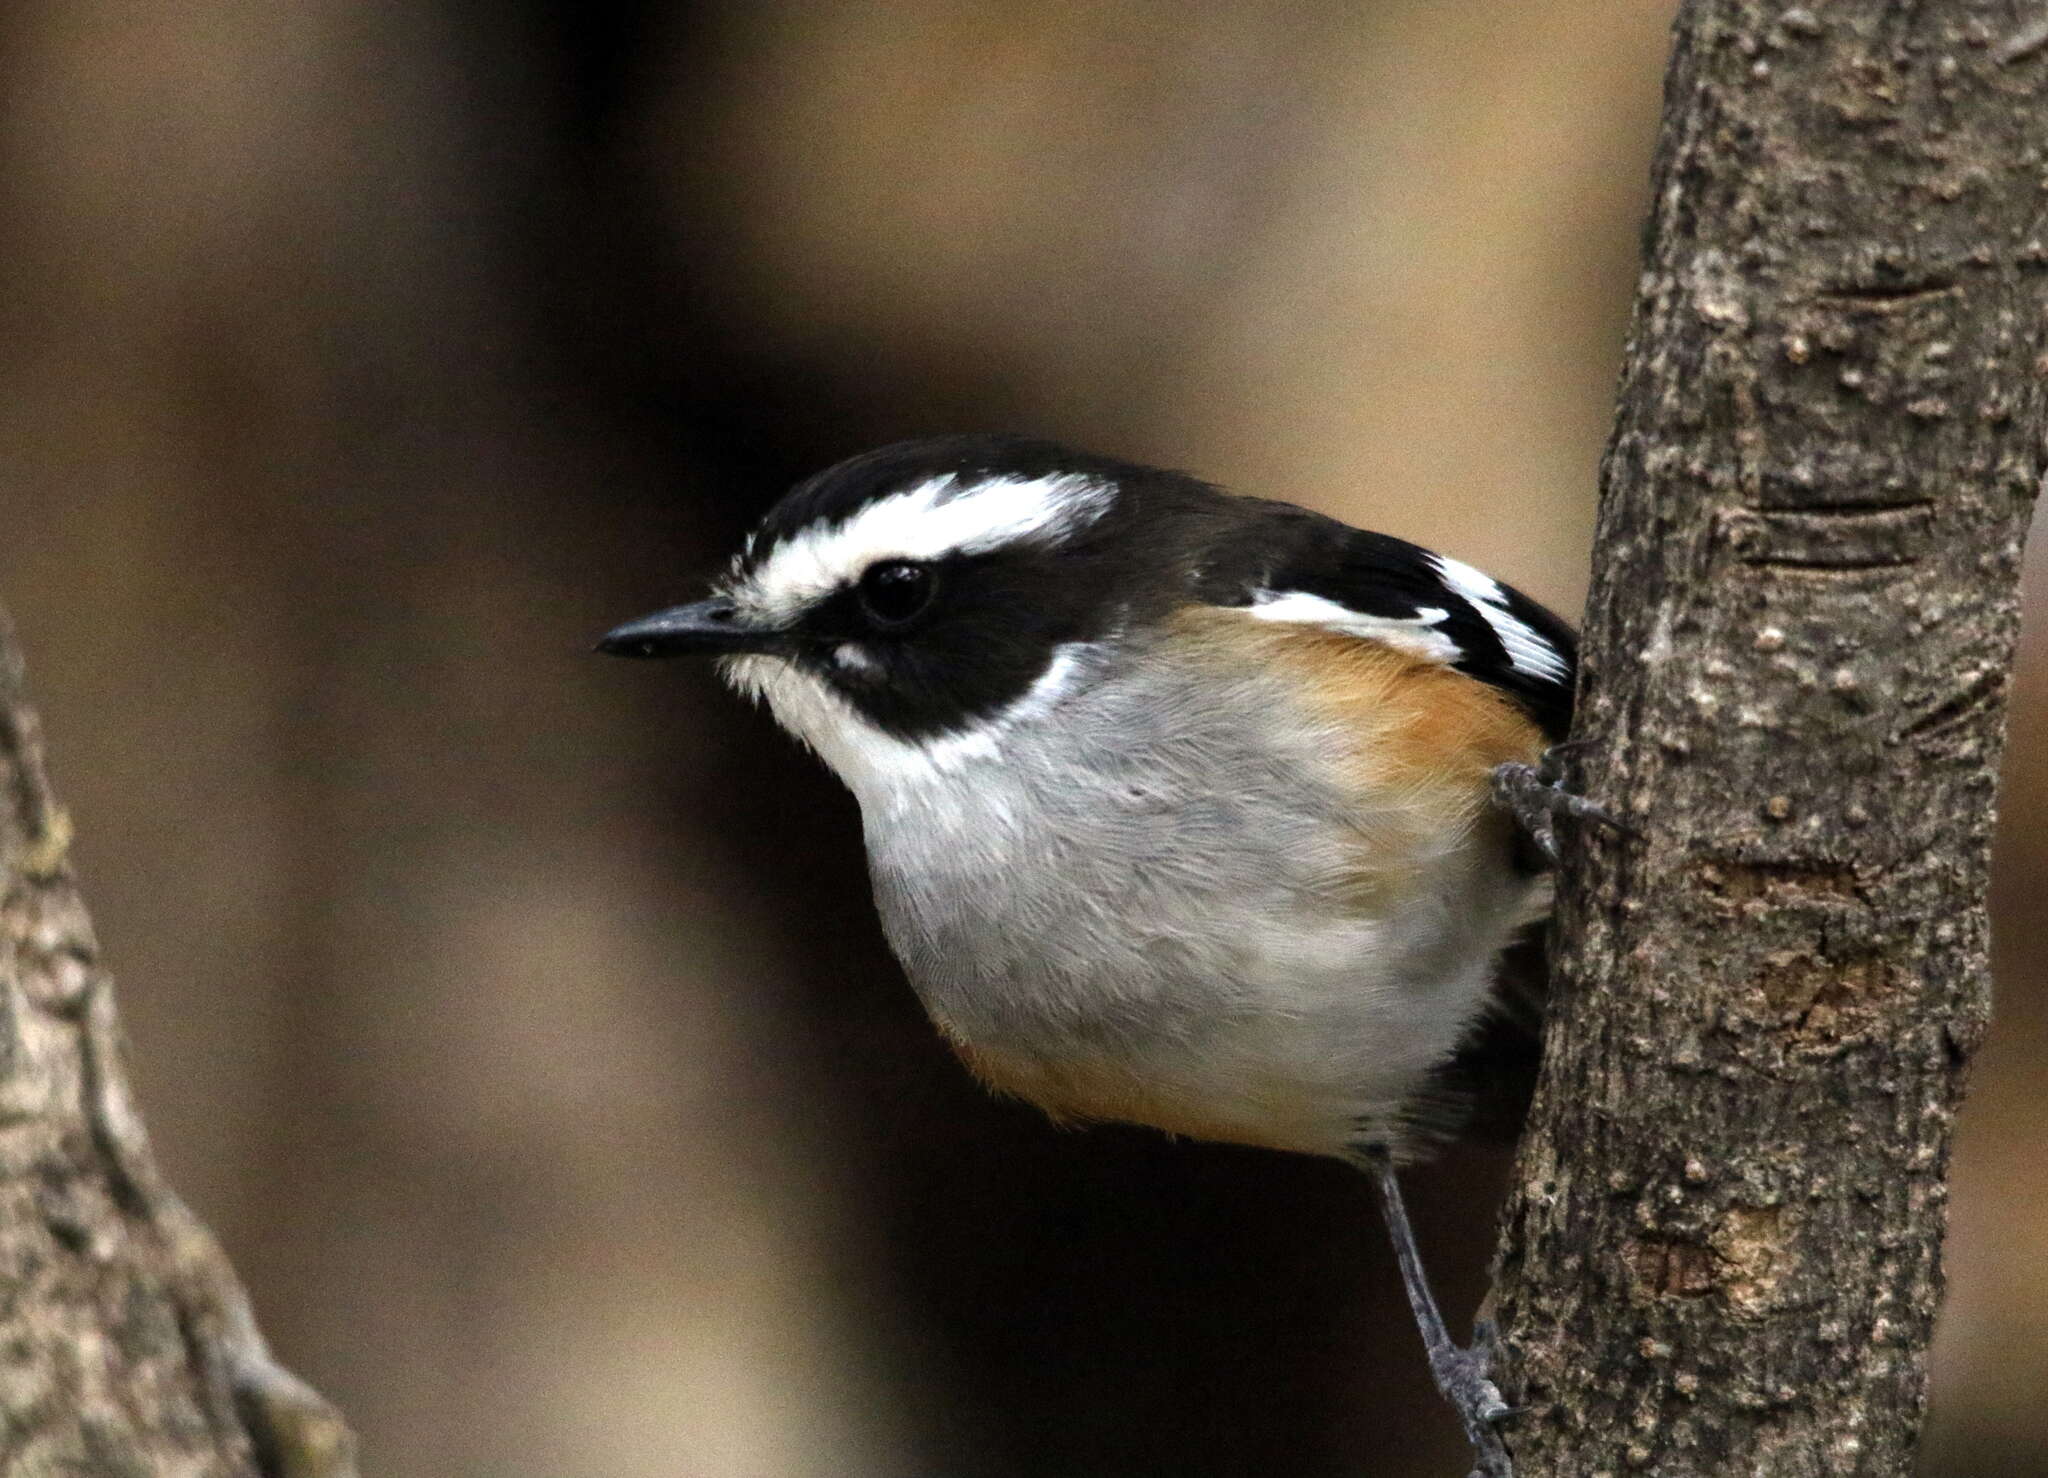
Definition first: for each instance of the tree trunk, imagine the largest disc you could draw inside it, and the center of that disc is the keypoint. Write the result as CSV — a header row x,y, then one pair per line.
x,y
126,1345
1722,1252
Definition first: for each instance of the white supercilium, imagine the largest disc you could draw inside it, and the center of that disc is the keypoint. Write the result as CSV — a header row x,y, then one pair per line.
x,y
929,521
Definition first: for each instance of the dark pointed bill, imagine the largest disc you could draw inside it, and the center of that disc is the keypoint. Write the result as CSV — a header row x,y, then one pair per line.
x,y
710,628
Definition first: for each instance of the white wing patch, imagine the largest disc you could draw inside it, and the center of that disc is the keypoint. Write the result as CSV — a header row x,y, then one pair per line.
x,y
1417,634
1529,653
935,518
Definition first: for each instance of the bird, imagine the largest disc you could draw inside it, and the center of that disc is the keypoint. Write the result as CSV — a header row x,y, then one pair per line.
x,y
1182,808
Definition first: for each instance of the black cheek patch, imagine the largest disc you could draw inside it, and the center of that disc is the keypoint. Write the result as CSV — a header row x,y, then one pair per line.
x,y
990,633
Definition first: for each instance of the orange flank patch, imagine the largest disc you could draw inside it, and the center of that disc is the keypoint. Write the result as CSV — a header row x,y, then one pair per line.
x,y
1426,723
1421,740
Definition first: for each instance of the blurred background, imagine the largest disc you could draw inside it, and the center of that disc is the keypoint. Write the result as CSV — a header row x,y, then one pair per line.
x,y
519,1019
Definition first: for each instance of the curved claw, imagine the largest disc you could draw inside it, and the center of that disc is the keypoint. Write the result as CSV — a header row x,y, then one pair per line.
x,y
1462,1376
1535,795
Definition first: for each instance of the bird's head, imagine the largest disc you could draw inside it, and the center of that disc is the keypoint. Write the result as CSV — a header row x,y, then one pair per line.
x,y
900,610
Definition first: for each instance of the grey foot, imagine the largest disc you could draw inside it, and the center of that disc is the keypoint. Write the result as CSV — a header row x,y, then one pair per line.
x,y
1461,1373
1462,1377
1536,797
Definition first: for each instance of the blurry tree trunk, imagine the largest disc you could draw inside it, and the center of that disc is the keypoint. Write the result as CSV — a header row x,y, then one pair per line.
x,y
126,1344
1722,1252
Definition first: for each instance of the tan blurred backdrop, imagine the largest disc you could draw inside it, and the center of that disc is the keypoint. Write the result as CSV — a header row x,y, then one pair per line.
x,y
518,1019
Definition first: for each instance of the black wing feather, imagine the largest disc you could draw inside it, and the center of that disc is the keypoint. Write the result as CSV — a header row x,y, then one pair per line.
x,y
1380,576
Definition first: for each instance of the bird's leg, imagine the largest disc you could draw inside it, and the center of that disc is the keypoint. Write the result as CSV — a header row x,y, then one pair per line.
x,y
1535,795
1460,1371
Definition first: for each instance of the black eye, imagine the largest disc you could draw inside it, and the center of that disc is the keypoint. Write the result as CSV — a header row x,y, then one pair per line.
x,y
895,591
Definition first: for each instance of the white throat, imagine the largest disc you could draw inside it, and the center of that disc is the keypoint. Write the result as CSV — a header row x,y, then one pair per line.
x,y
878,767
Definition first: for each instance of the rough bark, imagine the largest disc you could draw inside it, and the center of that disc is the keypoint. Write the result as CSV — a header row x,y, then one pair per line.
x,y
126,1344
1722,1253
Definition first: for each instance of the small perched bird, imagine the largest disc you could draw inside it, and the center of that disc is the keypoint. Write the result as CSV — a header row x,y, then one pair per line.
x,y
1182,808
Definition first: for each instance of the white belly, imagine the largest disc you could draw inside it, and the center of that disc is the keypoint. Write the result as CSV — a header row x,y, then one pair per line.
x,y
1202,952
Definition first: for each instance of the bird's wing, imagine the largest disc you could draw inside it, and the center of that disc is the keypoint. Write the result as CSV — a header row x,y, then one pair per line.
x,y
1387,590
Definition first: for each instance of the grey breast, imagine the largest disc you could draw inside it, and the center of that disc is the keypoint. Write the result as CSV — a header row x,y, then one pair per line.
x,y
1116,872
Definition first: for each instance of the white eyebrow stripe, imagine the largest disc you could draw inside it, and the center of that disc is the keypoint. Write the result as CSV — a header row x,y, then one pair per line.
x,y
1527,650
1417,635
935,518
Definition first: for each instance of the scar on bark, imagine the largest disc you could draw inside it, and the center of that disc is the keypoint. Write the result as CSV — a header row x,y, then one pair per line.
x,y
1743,1260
